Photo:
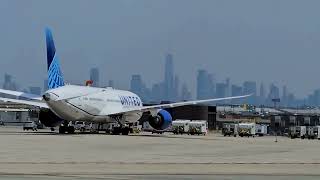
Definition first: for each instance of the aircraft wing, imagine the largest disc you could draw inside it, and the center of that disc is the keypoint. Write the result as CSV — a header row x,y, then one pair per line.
x,y
178,104
27,102
21,94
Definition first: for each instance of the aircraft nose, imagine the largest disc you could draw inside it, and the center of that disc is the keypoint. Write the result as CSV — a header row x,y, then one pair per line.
x,y
50,96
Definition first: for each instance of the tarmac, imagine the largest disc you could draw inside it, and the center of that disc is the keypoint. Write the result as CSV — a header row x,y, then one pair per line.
x,y
46,155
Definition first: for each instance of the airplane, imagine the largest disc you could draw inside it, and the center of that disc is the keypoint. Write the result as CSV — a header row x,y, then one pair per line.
x,y
63,103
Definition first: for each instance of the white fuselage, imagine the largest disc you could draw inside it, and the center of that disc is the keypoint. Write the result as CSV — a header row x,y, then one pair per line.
x,y
84,103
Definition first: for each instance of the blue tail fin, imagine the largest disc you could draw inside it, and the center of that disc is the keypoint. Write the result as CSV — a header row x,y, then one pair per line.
x,y
55,78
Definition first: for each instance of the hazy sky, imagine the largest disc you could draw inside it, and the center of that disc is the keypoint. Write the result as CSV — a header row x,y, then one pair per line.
x,y
266,41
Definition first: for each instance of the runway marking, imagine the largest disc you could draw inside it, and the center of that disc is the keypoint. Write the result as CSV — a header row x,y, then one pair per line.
x,y
169,163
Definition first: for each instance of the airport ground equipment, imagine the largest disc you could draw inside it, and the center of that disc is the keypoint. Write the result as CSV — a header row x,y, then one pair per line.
x,y
261,129
297,132
318,132
180,126
247,129
30,126
312,132
198,127
81,126
230,129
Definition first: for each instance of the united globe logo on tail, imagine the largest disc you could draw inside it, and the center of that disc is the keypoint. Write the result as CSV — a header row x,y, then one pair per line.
x,y
55,78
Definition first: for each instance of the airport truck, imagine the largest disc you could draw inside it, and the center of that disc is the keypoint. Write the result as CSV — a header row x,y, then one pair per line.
x,y
198,127
230,129
247,129
180,126
298,132
312,132
261,129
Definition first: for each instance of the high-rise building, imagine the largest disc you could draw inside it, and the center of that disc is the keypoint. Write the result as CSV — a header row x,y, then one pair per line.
x,y
250,87
221,90
185,93
262,94
274,93
94,76
284,97
8,83
45,85
204,85
236,91
176,87
157,92
169,78
136,84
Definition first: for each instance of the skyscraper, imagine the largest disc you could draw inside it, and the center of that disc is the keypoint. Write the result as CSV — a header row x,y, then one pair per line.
x,y
169,78
236,91
157,92
221,90
204,85
8,83
94,76
250,87
176,87
185,93
284,97
136,84
262,94
45,85
274,93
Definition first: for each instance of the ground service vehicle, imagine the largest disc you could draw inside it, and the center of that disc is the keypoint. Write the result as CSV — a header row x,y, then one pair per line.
x,y
230,129
198,127
247,129
180,126
297,132
261,129
30,126
312,132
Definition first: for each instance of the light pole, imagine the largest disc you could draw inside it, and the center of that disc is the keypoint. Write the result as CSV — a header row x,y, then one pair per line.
x,y
275,101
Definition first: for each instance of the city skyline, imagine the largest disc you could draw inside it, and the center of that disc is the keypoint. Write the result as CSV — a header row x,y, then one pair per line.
x,y
170,88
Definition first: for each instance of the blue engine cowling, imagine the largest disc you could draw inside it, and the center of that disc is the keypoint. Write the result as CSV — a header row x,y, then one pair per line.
x,y
48,118
161,121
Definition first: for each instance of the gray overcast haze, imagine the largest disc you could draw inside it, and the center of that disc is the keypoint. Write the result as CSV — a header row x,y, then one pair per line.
x,y
266,41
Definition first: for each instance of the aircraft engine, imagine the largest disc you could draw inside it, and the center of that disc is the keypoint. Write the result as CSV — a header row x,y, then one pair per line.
x,y
48,118
161,121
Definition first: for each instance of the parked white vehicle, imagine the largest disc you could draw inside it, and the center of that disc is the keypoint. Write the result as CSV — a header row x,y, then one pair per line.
x,y
180,126
198,127
230,129
261,129
247,129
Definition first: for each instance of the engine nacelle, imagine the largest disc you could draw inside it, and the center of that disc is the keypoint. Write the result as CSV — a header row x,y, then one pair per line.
x,y
161,121
48,118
